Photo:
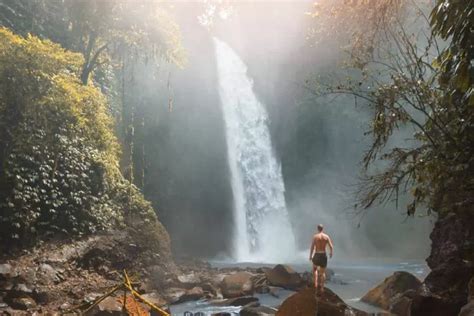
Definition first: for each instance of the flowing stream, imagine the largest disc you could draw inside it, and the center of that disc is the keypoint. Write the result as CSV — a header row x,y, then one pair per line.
x,y
263,231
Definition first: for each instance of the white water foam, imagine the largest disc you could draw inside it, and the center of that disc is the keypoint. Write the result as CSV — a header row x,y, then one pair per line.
x,y
263,231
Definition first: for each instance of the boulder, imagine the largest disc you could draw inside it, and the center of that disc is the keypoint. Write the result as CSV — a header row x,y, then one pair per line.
x,y
258,311
451,261
401,304
193,294
211,290
284,276
305,303
467,310
398,283
189,280
262,269
173,295
110,306
260,283
155,299
218,278
426,303
237,284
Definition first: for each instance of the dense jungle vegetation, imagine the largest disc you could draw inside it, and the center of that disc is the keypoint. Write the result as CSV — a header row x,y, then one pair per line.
x,y
65,124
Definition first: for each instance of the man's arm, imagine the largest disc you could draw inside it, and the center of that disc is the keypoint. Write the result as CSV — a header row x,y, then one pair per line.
x,y
331,247
311,250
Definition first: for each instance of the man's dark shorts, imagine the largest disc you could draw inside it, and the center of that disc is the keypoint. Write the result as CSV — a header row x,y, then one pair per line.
x,y
320,259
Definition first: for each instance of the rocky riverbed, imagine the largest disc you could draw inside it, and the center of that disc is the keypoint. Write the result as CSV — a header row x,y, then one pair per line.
x,y
58,278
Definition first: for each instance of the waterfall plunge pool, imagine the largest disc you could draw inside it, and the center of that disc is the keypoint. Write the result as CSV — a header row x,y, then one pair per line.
x,y
352,279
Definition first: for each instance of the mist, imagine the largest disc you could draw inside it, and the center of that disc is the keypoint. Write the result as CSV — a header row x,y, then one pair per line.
x,y
318,142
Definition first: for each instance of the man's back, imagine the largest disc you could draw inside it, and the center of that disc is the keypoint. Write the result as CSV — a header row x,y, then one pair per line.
x,y
320,240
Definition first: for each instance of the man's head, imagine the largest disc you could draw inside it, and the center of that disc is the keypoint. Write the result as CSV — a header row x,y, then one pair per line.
x,y
320,227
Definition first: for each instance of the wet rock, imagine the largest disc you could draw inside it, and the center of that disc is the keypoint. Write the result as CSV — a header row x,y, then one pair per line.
x,y
110,306
262,269
212,290
451,259
426,303
400,305
156,313
304,303
467,310
383,295
173,295
273,291
258,311
284,276
189,280
218,278
22,303
193,294
155,299
237,284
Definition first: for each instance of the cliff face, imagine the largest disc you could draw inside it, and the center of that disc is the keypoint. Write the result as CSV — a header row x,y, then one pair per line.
x,y
445,289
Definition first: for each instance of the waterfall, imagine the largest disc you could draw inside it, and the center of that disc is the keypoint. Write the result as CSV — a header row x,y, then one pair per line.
x,y
262,228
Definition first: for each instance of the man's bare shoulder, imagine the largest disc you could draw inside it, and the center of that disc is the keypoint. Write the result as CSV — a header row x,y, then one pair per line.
x,y
319,236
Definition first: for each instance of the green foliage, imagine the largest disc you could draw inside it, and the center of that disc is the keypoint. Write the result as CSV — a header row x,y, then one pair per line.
x,y
454,20
102,31
410,85
58,154
106,31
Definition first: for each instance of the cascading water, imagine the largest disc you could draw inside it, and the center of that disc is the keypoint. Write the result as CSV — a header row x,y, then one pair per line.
x,y
262,228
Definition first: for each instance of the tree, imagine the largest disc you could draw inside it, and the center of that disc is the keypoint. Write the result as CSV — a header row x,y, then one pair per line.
x,y
119,28
59,156
115,38
401,74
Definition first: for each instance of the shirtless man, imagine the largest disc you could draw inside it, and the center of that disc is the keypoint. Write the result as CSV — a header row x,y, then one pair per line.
x,y
320,259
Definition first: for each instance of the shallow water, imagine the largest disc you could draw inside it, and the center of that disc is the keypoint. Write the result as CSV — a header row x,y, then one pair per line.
x,y
351,281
